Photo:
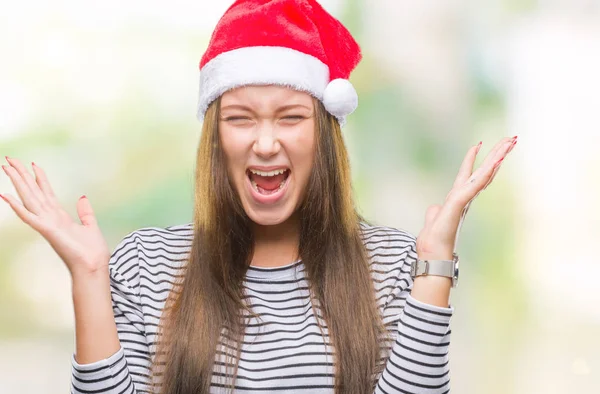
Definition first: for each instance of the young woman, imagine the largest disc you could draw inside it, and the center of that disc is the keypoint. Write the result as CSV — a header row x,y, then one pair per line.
x,y
277,285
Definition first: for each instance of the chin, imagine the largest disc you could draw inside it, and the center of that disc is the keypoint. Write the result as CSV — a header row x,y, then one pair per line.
x,y
268,218
271,216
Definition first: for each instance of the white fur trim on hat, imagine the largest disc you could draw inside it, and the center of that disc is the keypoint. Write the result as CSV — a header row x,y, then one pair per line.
x,y
269,65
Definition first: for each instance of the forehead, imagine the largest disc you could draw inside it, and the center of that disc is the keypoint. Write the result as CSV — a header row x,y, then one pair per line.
x,y
265,97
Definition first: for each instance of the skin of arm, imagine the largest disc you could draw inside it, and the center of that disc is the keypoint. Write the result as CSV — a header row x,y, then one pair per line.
x,y
434,290
95,328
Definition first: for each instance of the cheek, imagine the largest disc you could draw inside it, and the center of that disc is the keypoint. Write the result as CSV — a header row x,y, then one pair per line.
x,y
304,151
234,150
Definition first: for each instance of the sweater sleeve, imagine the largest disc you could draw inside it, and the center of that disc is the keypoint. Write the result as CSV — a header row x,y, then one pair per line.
x,y
418,361
127,370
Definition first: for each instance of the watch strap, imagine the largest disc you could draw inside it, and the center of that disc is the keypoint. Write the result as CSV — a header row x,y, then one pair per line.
x,y
434,267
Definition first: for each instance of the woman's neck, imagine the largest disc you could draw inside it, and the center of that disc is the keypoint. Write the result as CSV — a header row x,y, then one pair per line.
x,y
277,245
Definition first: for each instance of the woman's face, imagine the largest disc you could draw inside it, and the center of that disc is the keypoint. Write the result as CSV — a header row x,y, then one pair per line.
x,y
268,137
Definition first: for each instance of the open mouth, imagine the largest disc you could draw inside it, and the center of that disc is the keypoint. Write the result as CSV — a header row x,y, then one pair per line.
x,y
268,182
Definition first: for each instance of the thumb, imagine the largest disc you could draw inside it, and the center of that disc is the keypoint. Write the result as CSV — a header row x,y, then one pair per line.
x,y
85,212
431,213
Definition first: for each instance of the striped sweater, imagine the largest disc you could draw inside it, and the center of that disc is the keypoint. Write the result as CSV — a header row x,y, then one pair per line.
x,y
286,352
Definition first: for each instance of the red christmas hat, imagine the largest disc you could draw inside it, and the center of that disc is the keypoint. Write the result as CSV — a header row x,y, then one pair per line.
x,y
293,43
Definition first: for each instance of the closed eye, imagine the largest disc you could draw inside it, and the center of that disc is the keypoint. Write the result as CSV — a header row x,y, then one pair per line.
x,y
294,117
234,118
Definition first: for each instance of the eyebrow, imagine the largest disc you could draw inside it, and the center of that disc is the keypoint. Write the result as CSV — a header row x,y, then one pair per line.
x,y
280,109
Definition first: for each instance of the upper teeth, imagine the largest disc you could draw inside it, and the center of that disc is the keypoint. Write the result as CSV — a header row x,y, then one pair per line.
x,y
268,173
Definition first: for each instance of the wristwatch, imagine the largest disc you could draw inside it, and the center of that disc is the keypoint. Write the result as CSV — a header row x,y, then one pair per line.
x,y
448,268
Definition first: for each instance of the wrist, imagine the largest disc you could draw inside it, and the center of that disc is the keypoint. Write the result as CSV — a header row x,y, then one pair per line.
x,y
434,290
442,255
90,282
85,274
436,267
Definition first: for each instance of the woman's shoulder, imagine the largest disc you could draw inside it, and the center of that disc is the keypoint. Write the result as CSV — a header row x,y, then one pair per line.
x,y
171,237
385,236
152,249
387,247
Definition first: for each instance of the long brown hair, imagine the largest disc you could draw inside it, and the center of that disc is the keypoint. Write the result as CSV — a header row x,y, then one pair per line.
x,y
204,317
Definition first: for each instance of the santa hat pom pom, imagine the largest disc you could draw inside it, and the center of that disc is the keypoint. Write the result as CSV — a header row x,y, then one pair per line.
x,y
340,98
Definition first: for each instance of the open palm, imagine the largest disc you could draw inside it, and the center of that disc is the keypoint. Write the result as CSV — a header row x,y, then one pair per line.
x,y
442,222
80,245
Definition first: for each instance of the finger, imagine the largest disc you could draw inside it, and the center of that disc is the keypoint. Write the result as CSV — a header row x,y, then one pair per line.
x,y
476,177
459,197
21,211
24,192
483,179
26,176
497,168
494,172
85,212
488,166
466,168
513,144
44,185
498,151
493,156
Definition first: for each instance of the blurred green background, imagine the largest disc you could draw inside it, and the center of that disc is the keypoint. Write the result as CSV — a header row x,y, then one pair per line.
x,y
102,96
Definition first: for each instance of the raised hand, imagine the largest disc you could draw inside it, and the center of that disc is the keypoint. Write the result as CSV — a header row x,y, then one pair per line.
x,y
437,240
80,245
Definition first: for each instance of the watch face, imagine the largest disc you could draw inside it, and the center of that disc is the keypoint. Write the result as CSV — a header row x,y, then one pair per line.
x,y
456,271
455,278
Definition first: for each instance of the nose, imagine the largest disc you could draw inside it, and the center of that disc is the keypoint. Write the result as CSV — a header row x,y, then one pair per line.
x,y
266,143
